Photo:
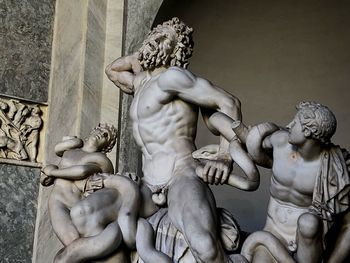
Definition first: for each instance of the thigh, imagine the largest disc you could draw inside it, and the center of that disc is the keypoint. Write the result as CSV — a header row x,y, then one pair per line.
x,y
191,204
61,222
60,215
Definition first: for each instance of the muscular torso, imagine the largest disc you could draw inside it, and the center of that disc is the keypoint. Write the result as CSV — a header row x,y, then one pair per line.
x,y
69,192
293,178
77,157
291,189
164,127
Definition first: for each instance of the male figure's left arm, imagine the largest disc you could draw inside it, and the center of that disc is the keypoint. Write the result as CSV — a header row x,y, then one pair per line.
x,y
198,91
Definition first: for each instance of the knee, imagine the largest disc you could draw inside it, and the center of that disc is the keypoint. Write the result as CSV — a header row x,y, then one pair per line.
x,y
309,225
206,249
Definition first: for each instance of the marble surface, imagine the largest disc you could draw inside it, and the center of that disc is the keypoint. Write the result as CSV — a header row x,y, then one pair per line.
x,y
19,189
26,36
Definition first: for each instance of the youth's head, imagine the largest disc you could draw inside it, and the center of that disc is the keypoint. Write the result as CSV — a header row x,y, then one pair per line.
x,y
168,44
103,137
316,121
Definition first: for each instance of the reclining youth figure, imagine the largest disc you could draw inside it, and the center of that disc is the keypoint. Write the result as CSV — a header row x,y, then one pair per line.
x,y
92,210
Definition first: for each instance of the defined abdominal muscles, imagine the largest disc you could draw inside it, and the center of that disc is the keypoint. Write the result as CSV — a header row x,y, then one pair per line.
x,y
158,169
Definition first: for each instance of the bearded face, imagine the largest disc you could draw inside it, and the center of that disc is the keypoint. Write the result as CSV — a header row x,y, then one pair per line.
x,y
157,49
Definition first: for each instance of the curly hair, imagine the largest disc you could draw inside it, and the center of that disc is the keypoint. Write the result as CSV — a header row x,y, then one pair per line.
x,y
172,45
111,132
318,119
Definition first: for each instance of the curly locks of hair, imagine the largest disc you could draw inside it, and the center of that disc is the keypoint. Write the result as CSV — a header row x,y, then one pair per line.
x,y
111,135
171,49
318,119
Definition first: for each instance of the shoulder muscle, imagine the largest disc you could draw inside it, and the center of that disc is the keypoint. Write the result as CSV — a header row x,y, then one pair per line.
x,y
176,79
279,138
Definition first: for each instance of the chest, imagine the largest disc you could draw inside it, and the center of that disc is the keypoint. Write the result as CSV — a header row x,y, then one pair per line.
x,y
293,172
149,99
71,158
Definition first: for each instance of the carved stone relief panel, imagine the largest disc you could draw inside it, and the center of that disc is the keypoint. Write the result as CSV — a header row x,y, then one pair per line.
x,y
20,126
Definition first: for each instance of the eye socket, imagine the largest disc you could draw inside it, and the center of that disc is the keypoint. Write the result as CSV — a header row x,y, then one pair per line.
x,y
105,134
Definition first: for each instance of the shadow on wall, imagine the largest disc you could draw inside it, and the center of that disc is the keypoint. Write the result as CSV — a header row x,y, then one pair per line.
x,y
271,55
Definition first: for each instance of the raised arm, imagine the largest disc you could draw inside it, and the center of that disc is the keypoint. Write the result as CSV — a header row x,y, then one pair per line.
x,y
260,140
122,72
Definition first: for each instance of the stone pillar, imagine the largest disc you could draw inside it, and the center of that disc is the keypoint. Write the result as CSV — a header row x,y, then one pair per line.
x,y
86,33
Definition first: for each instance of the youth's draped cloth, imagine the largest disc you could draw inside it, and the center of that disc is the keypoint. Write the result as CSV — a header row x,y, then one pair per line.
x,y
332,187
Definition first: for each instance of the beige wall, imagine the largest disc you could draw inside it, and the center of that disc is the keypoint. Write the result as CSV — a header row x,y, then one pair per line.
x,y
270,54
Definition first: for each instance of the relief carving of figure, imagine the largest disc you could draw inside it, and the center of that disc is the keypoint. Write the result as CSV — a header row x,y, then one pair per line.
x,y
19,130
30,129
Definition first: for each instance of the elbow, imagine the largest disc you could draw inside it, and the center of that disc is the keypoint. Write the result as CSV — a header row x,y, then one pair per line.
x,y
232,107
252,186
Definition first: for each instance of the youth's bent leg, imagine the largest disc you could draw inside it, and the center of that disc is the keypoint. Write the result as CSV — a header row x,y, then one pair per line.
x,y
61,221
309,239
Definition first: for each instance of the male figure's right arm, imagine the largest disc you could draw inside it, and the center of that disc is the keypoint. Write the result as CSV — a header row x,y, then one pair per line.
x,y
267,143
275,139
122,72
261,143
